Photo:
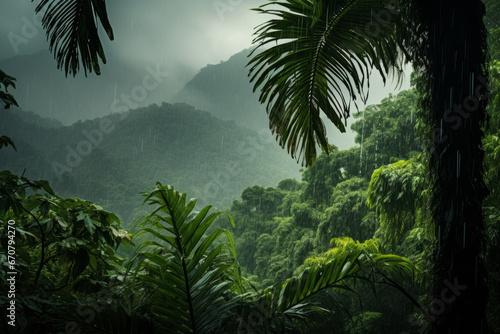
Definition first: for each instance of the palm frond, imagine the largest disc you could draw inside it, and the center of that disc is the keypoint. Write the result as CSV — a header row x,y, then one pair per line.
x,y
320,63
283,303
71,27
192,275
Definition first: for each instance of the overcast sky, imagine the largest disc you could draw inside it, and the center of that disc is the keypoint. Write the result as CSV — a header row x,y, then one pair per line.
x,y
182,36
192,33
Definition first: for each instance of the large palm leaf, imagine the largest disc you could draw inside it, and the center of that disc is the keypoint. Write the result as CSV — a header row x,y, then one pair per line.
x,y
197,284
323,54
278,309
190,273
72,32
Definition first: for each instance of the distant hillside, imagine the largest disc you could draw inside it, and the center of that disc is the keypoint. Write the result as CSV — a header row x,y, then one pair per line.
x,y
225,91
110,160
35,119
44,89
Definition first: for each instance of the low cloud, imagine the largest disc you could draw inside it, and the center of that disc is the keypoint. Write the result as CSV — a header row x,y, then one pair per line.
x,y
192,33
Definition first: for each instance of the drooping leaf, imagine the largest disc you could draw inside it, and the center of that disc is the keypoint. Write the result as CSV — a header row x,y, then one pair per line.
x,y
71,27
7,100
318,63
6,141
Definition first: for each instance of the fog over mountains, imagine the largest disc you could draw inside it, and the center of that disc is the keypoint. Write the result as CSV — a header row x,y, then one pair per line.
x,y
222,89
44,89
186,129
110,160
226,91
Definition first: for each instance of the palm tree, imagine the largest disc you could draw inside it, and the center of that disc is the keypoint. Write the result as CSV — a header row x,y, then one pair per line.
x,y
321,55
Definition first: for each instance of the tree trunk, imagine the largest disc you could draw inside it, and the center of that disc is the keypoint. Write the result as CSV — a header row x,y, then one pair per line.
x,y
458,64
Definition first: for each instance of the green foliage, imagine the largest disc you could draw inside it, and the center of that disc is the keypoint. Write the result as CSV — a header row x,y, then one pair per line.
x,y
185,267
290,198
336,270
289,185
386,131
303,215
365,323
64,249
303,248
5,97
346,216
331,200
396,191
247,243
317,64
322,178
182,277
191,146
72,32
263,202
492,17
416,245
491,146
265,248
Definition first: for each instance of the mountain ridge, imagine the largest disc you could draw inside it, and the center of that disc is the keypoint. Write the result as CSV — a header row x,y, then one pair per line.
x,y
111,159
44,89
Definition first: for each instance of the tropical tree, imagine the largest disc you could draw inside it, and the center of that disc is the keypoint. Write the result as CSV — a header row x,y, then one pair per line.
x,y
185,266
320,56
63,251
396,192
196,287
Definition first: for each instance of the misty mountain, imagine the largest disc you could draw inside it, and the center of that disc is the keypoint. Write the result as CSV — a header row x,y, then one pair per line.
x,y
110,160
225,90
44,89
30,117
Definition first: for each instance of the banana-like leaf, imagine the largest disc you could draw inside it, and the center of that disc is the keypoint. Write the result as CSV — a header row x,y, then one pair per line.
x,y
72,33
320,59
191,275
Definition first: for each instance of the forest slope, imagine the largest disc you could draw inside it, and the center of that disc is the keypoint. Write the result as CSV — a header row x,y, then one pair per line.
x,y
110,160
